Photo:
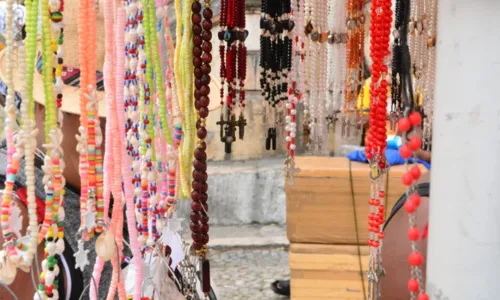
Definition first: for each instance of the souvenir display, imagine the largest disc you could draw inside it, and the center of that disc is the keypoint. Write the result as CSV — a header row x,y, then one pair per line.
x,y
155,86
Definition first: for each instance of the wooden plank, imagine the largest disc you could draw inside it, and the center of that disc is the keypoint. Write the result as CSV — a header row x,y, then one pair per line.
x,y
327,271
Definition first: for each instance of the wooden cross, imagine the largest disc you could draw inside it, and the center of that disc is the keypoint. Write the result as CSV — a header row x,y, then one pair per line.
x,y
271,139
346,127
242,122
227,131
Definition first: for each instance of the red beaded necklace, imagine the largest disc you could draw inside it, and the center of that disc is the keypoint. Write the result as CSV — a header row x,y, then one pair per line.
x,y
233,55
381,16
202,37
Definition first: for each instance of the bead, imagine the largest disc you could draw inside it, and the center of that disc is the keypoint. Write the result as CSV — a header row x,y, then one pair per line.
x,y
409,207
196,7
207,13
415,172
413,285
201,133
404,124
200,155
196,18
405,151
407,179
415,143
415,259
415,118
415,199
413,233
423,296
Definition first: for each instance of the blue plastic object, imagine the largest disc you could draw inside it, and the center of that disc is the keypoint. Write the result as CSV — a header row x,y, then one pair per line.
x,y
393,158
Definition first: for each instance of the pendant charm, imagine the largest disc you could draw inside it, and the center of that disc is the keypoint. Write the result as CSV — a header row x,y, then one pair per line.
x,y
8,269
205,276
290,170
81,257
105,246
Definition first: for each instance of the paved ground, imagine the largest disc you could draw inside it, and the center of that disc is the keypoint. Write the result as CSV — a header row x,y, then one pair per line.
x,y
246,273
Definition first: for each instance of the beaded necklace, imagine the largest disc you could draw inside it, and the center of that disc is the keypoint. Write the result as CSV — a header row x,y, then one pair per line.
x,y
294,95
276,58
232,51
29,125
202,58
14,154
337,39
52,227
355,20
186,83
128,121
376,141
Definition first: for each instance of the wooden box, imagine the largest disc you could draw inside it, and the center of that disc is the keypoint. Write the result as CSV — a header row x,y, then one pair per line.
x,y
320,204
327,271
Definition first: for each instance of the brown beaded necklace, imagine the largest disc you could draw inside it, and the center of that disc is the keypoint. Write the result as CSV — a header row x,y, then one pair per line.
x,y
202,37
233,68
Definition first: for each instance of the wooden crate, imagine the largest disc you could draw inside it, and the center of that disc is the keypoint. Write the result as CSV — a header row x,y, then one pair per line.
x,y
327,271
320,205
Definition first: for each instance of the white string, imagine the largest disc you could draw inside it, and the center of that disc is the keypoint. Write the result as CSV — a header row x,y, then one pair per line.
x,y
68,277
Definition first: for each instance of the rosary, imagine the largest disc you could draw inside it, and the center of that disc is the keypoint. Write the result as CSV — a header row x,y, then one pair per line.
x,y
275,58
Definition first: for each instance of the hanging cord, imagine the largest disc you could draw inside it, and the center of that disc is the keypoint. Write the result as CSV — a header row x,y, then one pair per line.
x,y
351,182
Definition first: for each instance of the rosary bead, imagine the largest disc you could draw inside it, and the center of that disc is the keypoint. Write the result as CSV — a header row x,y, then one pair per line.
x,y
203,112
196,18
195,195
204,228
200,155
202,133
415,199
404,124
198,85
207,36
196,7
206,57
204,196
197,62
409,207
197,51
167,251
198,72
415,118
405,151
204,238
195,216
197,237
423,296
197,246
415,172
415,259
413,285
207,24
205,90
196,185
197,40
197,94
202,146
204,218
196,206
407,179
198,175
205,68
204,101
200,165
413,233
207,13
204,187
207,47
195,227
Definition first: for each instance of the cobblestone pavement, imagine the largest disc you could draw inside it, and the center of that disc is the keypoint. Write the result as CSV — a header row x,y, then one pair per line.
x,y
246,274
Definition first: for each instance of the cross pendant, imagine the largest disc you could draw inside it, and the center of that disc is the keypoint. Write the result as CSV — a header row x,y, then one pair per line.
x,y
221,123
394,117
290,170
242,122
306,132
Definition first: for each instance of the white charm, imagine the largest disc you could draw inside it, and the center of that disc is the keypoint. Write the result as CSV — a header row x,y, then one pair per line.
x,y
16,220
8,269
174,224
89,218
81,256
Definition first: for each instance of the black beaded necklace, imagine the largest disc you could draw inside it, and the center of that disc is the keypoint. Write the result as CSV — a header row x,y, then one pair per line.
x,y
275,57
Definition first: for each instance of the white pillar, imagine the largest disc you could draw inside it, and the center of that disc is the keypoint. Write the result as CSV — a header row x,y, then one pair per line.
x,y
464,226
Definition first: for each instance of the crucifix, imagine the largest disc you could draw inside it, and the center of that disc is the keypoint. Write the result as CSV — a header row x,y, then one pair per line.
x,y
227,131
306,132
393,118
242,122
346,126
290,170
271,139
